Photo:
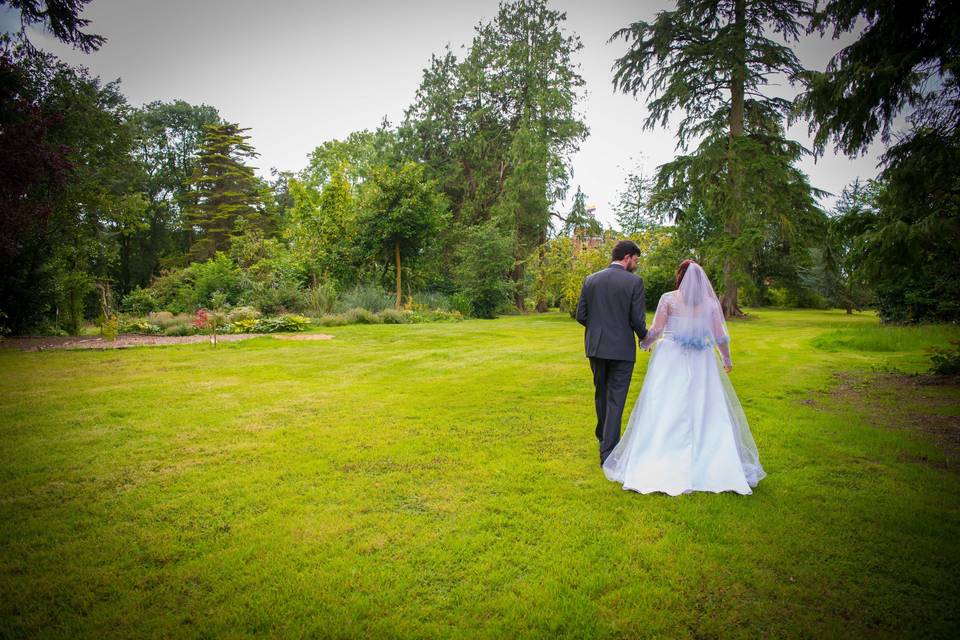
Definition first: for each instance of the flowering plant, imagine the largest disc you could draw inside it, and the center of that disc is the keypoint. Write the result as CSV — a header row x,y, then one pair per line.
x,y
208,321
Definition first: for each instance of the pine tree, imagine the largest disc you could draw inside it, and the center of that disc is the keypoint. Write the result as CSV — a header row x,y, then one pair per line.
x,y
580,222
222,189
905,61
711,60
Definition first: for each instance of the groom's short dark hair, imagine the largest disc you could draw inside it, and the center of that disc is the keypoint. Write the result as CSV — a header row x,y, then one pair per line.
x,y
625,248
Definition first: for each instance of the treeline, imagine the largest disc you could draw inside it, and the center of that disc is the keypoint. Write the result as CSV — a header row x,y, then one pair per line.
x,y
110,208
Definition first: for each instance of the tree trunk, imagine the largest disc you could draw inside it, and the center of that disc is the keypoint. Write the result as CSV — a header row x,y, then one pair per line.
x,y
396,248
517,277
541,287
731,224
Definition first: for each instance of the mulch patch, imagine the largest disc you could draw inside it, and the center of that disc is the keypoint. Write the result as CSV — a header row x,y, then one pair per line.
x,y
46,343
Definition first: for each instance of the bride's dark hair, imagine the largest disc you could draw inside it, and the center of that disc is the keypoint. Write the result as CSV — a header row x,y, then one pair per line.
x,y
682,270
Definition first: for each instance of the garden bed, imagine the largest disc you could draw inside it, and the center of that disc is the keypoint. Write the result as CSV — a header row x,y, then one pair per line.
x,y
123,341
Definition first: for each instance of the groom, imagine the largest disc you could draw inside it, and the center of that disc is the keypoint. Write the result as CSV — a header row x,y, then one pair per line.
x,y
611,307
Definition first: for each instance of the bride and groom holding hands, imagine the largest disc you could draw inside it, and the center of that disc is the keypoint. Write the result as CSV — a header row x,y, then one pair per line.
x,y
687,431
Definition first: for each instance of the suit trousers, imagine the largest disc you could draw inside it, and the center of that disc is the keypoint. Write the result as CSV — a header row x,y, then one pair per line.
x,y
611,381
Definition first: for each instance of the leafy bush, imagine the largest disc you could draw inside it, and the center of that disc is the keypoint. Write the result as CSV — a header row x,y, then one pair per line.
x,y
243,313
946,361
165,319
392,316
460,303
435,315
286,322
172,325
242,326
359,315
178,330
275,297
110,328
371,297
173,291
432,300
211,322
217,274
333,320
139,325
387,316
139,302
483,261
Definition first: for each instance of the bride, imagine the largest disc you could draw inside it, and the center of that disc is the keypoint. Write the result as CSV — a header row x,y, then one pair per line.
x,y
687,431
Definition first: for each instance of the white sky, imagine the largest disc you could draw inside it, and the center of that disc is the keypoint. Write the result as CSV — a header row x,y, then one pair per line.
x,y
300,72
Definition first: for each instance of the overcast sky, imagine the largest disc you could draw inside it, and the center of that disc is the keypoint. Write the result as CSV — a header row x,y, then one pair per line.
x,y
300,72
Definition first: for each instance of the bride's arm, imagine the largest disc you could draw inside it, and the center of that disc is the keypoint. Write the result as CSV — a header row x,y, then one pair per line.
x,y
659,322
722,339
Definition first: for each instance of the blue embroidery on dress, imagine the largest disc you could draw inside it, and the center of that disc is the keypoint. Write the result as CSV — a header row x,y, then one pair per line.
x,y
694,342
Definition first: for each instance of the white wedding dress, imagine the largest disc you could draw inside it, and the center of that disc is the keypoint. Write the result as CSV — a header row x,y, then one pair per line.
x,y
687,431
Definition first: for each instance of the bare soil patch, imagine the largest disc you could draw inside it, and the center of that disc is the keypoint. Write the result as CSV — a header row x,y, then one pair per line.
x,y
920,402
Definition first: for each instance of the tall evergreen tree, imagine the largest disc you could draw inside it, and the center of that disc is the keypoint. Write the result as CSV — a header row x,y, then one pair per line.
x,y
222,189
59,17
905,62
711,59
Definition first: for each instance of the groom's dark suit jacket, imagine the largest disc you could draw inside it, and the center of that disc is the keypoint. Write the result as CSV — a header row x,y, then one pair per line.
x,y
611,307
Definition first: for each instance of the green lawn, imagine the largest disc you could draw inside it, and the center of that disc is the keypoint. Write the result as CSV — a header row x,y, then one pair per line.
x,y
441,480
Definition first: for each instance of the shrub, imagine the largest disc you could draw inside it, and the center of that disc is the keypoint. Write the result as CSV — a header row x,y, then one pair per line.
x,y
392,316
243,313
332,320
172,325
180,330
275,297
110,328
483,261
436,315
460,303
211,322
433,300
139,302
165,319
139,325
241,326
946,361
173,290
286,322
371,297
322,298
216,274
359,315
387,316
777,296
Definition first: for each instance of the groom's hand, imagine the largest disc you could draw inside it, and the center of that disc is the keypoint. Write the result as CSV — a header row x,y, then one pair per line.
x,y
728,368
